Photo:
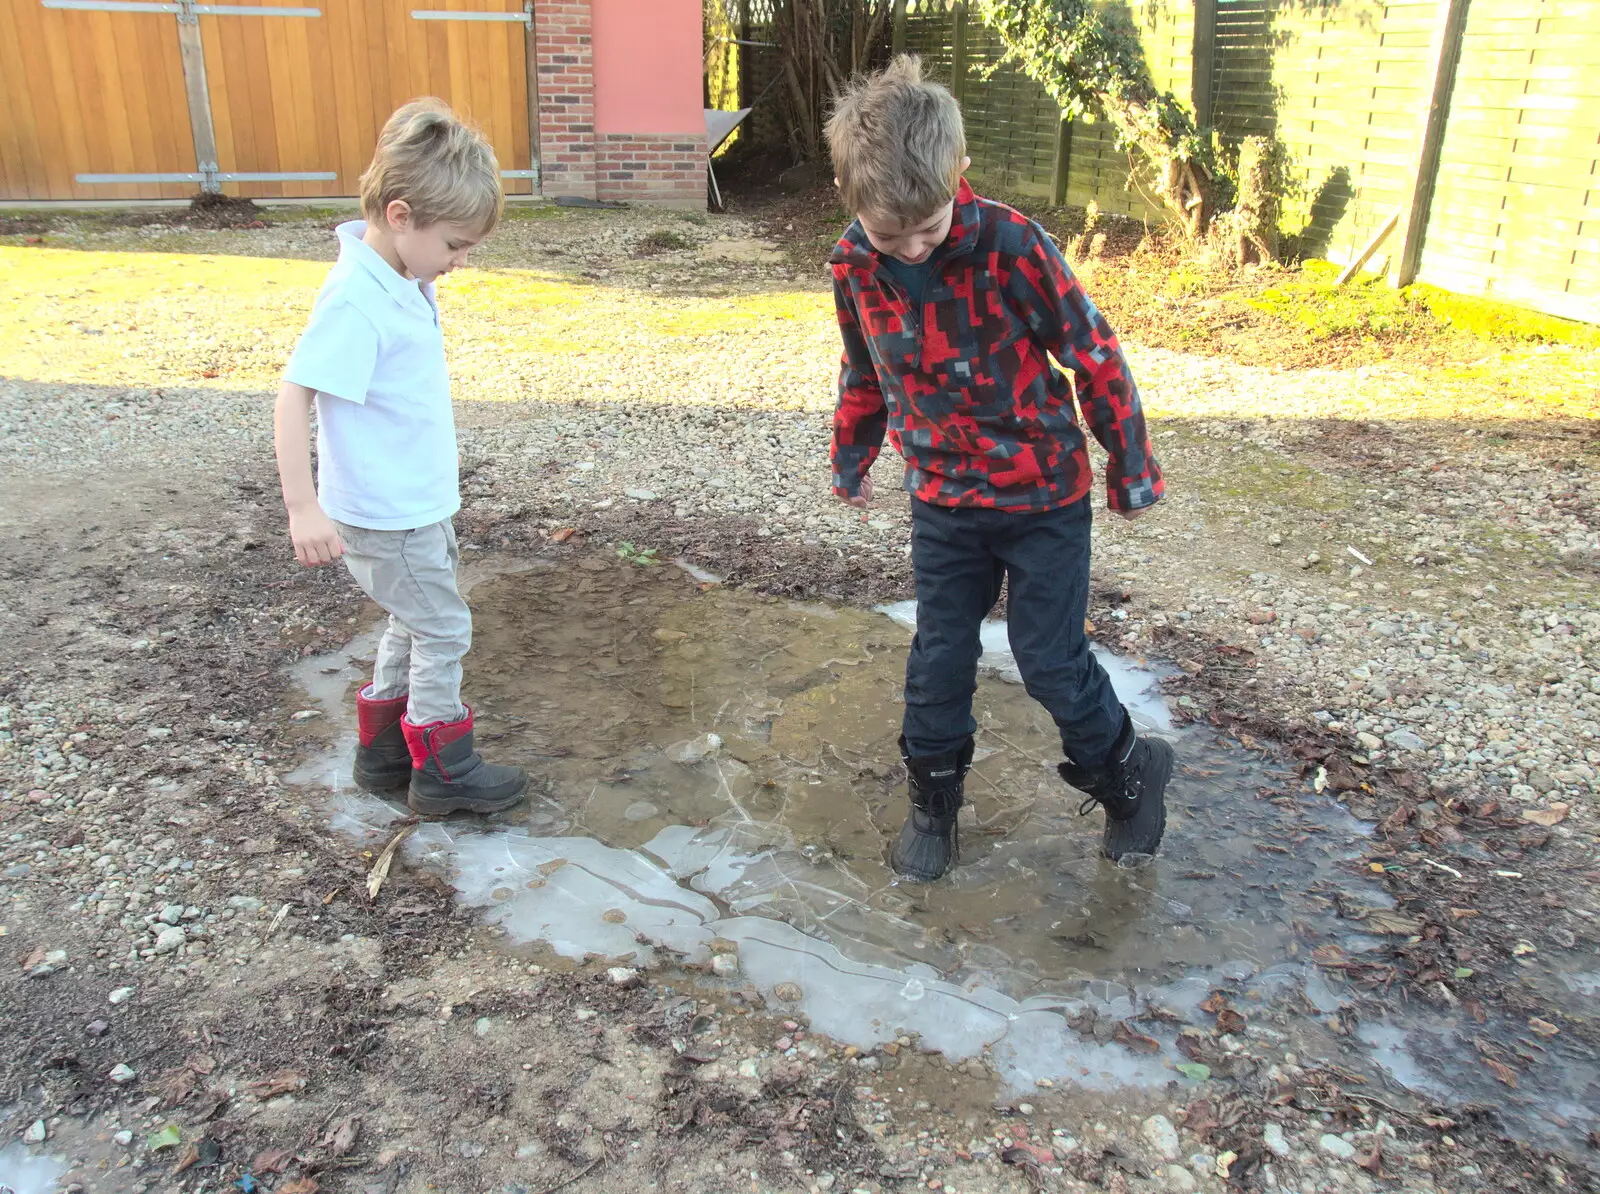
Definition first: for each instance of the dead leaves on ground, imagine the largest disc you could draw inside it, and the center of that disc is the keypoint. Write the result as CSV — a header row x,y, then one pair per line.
x,y
282,1083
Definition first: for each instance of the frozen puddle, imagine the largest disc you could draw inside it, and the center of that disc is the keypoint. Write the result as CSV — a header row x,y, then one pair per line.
x,y
23,1172
769,840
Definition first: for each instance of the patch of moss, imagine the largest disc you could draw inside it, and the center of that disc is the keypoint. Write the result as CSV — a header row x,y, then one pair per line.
x,y
1494,320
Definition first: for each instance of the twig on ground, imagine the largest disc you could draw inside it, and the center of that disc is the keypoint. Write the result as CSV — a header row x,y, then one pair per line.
x,y
569,1179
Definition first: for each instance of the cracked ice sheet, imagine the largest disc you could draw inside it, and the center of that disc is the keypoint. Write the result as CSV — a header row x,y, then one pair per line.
x,y
1137,687
582,898
26,1173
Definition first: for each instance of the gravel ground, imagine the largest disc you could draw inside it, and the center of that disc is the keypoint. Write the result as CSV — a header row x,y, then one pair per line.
x,y
1415,595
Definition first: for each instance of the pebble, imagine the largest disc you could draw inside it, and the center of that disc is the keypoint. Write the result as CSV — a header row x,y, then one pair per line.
x,y
120,995
1179,1180
97,1028
1277,1143
695,750
725,965
623,976
122,1073
1336,1146
124,1138
171,914
36,1133
1159,1133
170,940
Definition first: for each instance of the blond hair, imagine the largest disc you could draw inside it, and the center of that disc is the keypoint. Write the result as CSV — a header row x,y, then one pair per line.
x,y
438,164
897,143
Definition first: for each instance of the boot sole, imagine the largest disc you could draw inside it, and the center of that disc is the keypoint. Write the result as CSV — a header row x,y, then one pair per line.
x,y
439,806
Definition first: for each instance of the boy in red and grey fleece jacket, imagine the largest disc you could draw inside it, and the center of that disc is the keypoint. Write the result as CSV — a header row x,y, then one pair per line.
x,y
951,308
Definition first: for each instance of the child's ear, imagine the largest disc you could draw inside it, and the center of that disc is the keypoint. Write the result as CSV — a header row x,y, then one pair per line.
x,y
398,214
965,162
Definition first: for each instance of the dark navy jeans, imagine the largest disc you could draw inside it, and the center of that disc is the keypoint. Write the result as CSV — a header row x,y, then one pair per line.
x,y
961,556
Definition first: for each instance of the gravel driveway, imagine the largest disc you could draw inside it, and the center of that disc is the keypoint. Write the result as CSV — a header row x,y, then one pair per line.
x,y
1410,602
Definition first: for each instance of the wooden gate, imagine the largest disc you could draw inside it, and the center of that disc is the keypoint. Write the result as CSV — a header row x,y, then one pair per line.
x,y
129,99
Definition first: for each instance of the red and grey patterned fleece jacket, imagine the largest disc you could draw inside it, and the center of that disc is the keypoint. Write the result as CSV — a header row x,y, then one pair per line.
x,y
966,387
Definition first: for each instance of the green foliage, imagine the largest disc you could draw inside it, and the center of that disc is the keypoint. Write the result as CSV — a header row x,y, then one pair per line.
x,y
644,557
662,240
1365,307
1092,64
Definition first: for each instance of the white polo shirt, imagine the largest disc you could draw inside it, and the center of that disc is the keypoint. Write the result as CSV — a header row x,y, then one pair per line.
x,y
386,435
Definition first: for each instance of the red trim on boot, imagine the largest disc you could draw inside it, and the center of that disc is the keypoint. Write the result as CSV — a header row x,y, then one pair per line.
x,y
425,741
374,717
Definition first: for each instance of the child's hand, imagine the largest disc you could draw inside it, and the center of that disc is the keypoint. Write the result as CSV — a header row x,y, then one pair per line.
x,y
863,496
1130,515
315,538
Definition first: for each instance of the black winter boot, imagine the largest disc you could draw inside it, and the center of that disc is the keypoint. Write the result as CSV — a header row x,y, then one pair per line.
x,y
928,841
449,776
383,761
1132,785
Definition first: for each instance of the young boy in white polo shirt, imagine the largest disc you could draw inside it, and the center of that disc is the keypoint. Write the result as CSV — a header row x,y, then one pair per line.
x,y
372,363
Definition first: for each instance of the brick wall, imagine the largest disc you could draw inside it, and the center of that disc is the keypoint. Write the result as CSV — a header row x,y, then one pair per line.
x,y
651,168
566,97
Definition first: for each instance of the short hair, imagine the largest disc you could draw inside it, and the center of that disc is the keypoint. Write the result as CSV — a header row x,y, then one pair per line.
x,y
438,164
897,143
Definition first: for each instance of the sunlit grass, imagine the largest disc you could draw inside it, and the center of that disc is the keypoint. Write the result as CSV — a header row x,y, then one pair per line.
x,y
152,319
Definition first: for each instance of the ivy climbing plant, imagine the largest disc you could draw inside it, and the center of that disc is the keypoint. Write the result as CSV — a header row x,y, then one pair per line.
x,y
1093,65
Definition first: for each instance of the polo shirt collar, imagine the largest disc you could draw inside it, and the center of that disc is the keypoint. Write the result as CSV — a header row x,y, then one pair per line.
x,y
405,291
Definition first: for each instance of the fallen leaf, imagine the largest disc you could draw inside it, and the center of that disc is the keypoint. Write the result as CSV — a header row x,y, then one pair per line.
x,y
342,1138
300,1185
1262,617
167,1137
202,1063
208,1105
1543,1027
191,1157
1464,971
1125,1034
1088,626
1199,1116
36,958
1194,1070
175,1087
380,868
1501,1071
1225,1162
1214,1003
1381,921
1373,1161
1230,1022
1523,948
280,1083
563,534
1554,815
272,1160
1033,1152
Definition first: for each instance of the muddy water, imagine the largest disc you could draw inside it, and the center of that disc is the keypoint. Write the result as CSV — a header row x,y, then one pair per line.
x,y
717,773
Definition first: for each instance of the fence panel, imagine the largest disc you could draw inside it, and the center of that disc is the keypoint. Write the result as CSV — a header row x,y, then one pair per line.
x,y
1519,176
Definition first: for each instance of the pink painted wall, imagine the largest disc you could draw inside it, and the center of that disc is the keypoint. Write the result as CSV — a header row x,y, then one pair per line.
x,y
647,66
